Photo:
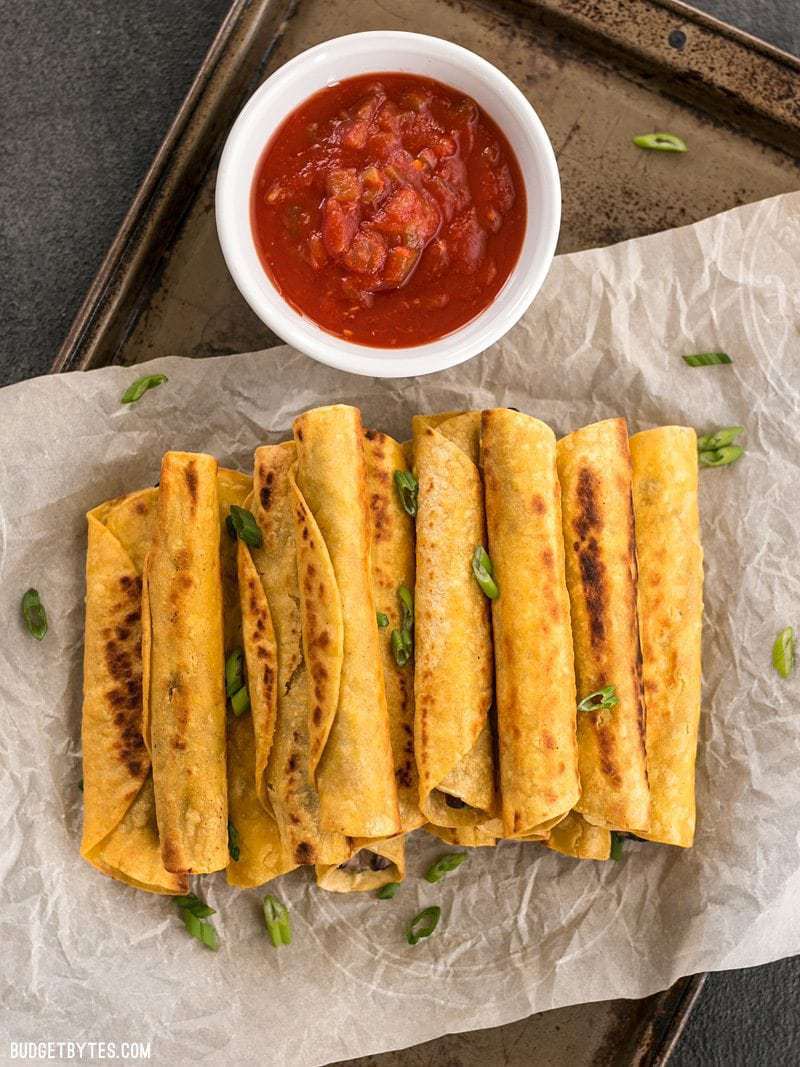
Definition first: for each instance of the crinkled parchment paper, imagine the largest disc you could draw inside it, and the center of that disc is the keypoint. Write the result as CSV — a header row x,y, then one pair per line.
x,y
522,928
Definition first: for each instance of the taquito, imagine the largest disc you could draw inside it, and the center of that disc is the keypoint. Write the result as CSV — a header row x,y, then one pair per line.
x,y
465,836
120,835
392,567
534,667
373,864
278,675
594,468
670,621
350,752
453,682
184,667
576,837
254,841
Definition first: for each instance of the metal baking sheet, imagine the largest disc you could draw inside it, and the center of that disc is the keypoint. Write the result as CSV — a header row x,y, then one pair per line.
x,y
597,72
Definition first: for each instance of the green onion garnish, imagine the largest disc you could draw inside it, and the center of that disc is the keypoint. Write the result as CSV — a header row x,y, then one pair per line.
x,y
783,652
661,142
423,924
383,620
403,639
277,921
600,699
233,842
483,570
240,702
710,442
720,457
707,359
245,526
616,845
34,614
408,490
193,912
402,647
234,672
137,389
446,863
388,891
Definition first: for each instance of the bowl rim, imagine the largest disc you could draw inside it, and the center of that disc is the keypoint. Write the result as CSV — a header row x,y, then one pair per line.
x,y
300,331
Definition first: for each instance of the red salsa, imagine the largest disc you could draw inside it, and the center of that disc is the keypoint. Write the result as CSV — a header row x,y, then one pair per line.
x,y
388,208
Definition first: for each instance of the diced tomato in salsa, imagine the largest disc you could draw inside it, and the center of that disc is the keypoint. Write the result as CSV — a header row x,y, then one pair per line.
x,y
389,209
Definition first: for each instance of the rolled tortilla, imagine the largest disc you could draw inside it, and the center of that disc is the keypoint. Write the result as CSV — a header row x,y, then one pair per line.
x,y
120,835
392,566
278,676
576,837
184,667
534,667
260,855
670,621
594,468
453,680
465,836
350,754
374,863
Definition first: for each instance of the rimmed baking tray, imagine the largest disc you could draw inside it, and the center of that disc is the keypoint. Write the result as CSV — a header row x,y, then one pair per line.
x,y
598,72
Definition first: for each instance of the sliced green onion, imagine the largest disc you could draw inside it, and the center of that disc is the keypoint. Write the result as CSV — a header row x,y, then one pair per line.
x,y
203,931
661,142
388,891
402,647
403,639
707,359
233,842
600,699
710,442
240,702
406,598
234,672
720,457
383,620
423,924
195,905
137,389
408,490
446,863
34,614
277,921
246,527
193,912
783,652
483,570
616,845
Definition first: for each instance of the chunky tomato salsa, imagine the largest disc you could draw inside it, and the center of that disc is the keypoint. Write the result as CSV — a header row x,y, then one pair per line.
x,y
389,209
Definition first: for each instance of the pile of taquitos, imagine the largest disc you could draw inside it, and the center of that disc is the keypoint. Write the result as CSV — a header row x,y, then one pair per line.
x,y
348,667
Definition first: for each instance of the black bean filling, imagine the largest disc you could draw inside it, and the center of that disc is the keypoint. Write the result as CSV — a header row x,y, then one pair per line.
x,y
365,860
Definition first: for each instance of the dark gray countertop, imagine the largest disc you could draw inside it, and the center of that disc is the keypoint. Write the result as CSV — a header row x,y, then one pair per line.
x,y
88,88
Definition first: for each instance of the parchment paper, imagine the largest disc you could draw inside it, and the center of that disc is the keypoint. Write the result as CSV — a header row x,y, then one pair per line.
x,y
522,929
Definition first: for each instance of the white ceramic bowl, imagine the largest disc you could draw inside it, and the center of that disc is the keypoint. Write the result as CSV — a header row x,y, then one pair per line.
x,y
377,52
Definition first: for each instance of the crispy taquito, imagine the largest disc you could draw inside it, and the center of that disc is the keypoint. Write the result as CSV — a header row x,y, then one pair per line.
x,y
453,680
670,621
183,647
120,835
534,667
594,468
278,675
350,745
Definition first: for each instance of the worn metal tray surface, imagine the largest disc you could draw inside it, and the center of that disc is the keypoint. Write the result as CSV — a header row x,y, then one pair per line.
x,y
598,72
